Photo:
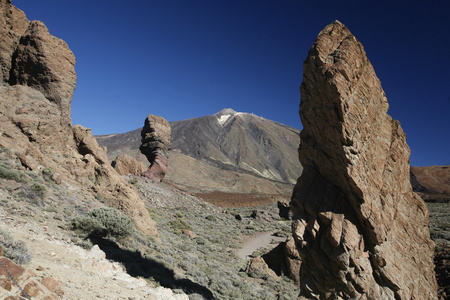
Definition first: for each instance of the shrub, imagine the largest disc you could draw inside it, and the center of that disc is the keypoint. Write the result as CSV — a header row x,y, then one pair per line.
x,y
15,250
104,221
211,218
178,225
39,189
7,172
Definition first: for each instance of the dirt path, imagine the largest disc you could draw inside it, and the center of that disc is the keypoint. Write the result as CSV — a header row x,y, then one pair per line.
x,y
83,274
256,241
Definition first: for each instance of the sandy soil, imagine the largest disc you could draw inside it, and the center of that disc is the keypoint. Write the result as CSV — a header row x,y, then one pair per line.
x,y
82,274
255,242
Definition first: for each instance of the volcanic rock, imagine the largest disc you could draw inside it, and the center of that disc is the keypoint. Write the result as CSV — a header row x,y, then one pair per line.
x,y
359,229
155,146
125,164
45,63
35,286
35,94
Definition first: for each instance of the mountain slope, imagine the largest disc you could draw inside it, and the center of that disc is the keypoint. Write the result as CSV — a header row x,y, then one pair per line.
x,y
228,151
436,179
241,141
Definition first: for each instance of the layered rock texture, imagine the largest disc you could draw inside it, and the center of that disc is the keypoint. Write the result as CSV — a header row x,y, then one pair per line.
x,y
360,230
155,146
37,82
17,282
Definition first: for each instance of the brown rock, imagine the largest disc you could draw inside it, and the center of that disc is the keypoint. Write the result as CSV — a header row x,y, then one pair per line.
x,y
45,63
13,24
1,250
107,183
359,229
15,270
51,284
188,233
155,146
125,164
258,268
284,209
41,84
33,289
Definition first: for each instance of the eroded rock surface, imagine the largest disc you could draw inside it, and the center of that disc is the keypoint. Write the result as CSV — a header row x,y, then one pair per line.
x,y
38,80
35,286
155,146
125,164
359,229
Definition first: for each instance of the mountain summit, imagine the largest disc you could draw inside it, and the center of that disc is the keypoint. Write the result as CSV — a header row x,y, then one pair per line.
x,y
230,139
226,111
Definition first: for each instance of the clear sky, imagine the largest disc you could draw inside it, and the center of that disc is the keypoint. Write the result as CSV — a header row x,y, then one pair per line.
x,y
182,59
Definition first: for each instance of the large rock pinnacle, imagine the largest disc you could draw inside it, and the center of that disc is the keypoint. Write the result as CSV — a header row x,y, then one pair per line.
x,y
155,146
360,230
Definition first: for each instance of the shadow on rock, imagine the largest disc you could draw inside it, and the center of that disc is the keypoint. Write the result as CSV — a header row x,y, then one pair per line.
x,y
138,266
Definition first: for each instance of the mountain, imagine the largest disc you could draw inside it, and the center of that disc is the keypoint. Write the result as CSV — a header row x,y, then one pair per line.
x,y
432,183
241,141
229,151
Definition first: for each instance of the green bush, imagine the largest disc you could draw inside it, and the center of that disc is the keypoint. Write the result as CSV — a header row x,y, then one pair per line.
x,y
178,225
211,218
39,189
104,221
7,172
15,250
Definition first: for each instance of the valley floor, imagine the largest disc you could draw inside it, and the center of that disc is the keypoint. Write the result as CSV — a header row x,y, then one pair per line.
x,y
201,254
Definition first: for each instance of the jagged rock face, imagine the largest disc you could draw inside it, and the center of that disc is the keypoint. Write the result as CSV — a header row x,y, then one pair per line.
x,y
155,146
38,80
45,63
13,24
360,230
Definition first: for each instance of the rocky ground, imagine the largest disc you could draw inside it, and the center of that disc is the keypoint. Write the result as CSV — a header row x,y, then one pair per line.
x,y
196,254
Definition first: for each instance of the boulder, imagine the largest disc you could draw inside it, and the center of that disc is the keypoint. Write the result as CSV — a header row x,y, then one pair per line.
x,y
360,230
125,165
35,286
155,146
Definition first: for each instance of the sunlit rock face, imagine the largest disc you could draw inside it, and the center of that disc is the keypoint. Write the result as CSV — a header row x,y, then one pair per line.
x,y
155,146
360,231
37,72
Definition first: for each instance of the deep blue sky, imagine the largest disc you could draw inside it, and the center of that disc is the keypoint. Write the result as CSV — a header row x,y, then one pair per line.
x,y
182,59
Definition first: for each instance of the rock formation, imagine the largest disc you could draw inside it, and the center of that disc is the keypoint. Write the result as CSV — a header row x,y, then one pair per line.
x,y
125,164
155,146
360,231
35,286
37,82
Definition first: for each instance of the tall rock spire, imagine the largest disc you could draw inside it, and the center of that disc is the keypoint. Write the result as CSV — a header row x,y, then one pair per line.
x,y
155,146
360,230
